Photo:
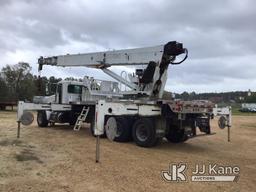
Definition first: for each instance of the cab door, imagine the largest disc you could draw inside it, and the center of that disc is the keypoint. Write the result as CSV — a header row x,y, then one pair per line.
x,y
59,94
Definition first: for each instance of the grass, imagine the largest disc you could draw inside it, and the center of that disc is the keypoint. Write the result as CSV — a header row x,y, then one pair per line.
x,y
249,126
27,155
7,142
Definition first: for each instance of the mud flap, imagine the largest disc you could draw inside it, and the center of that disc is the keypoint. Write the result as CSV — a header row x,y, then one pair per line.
x,y
203,123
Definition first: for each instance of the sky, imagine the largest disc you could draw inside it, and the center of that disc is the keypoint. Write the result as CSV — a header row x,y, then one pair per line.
x,y
220,36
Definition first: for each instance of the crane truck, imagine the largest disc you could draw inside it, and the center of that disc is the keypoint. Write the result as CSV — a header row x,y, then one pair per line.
x,y
139,113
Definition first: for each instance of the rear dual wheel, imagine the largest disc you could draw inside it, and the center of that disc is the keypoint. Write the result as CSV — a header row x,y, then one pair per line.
x,y
176,135
144,133
118,129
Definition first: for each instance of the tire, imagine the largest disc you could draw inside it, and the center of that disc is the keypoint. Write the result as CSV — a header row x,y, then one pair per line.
x,y
72,123
208,130
72,120
42,119
123,129
175,135
144,133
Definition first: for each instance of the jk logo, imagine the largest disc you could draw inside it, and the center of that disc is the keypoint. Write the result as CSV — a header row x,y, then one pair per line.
x,y
175,173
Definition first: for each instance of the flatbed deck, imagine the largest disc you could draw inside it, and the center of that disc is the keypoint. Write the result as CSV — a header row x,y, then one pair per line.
x,y
4,104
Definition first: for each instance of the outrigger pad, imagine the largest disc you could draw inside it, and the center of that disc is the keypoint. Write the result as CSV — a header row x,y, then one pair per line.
x,y
27,118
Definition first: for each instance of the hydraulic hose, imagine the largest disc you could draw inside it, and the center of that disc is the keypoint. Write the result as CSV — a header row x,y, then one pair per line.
x,y
179,62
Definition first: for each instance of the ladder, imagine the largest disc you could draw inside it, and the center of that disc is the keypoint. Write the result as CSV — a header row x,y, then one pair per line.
x,y
81,118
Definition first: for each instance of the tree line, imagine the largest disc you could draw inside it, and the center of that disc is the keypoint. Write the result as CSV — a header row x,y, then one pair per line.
x,y
18,83
225,97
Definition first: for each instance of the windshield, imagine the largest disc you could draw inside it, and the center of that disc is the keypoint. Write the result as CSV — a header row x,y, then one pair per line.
x,y
76,89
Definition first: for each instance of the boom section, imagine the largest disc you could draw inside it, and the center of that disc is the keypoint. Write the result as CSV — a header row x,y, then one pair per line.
x,y
109,58
137,56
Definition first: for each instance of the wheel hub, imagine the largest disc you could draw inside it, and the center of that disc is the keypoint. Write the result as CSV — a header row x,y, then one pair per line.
x,y
111,128
142,133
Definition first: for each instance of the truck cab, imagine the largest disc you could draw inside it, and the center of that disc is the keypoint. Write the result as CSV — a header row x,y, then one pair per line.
x,y
68,92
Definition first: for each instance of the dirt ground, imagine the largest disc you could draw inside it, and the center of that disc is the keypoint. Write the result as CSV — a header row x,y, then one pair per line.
x,y
59,159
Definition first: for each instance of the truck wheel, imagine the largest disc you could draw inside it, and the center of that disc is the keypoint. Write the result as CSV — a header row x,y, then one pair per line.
x,y
72,121
120,126
42,119
144,133
175,135
208,130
